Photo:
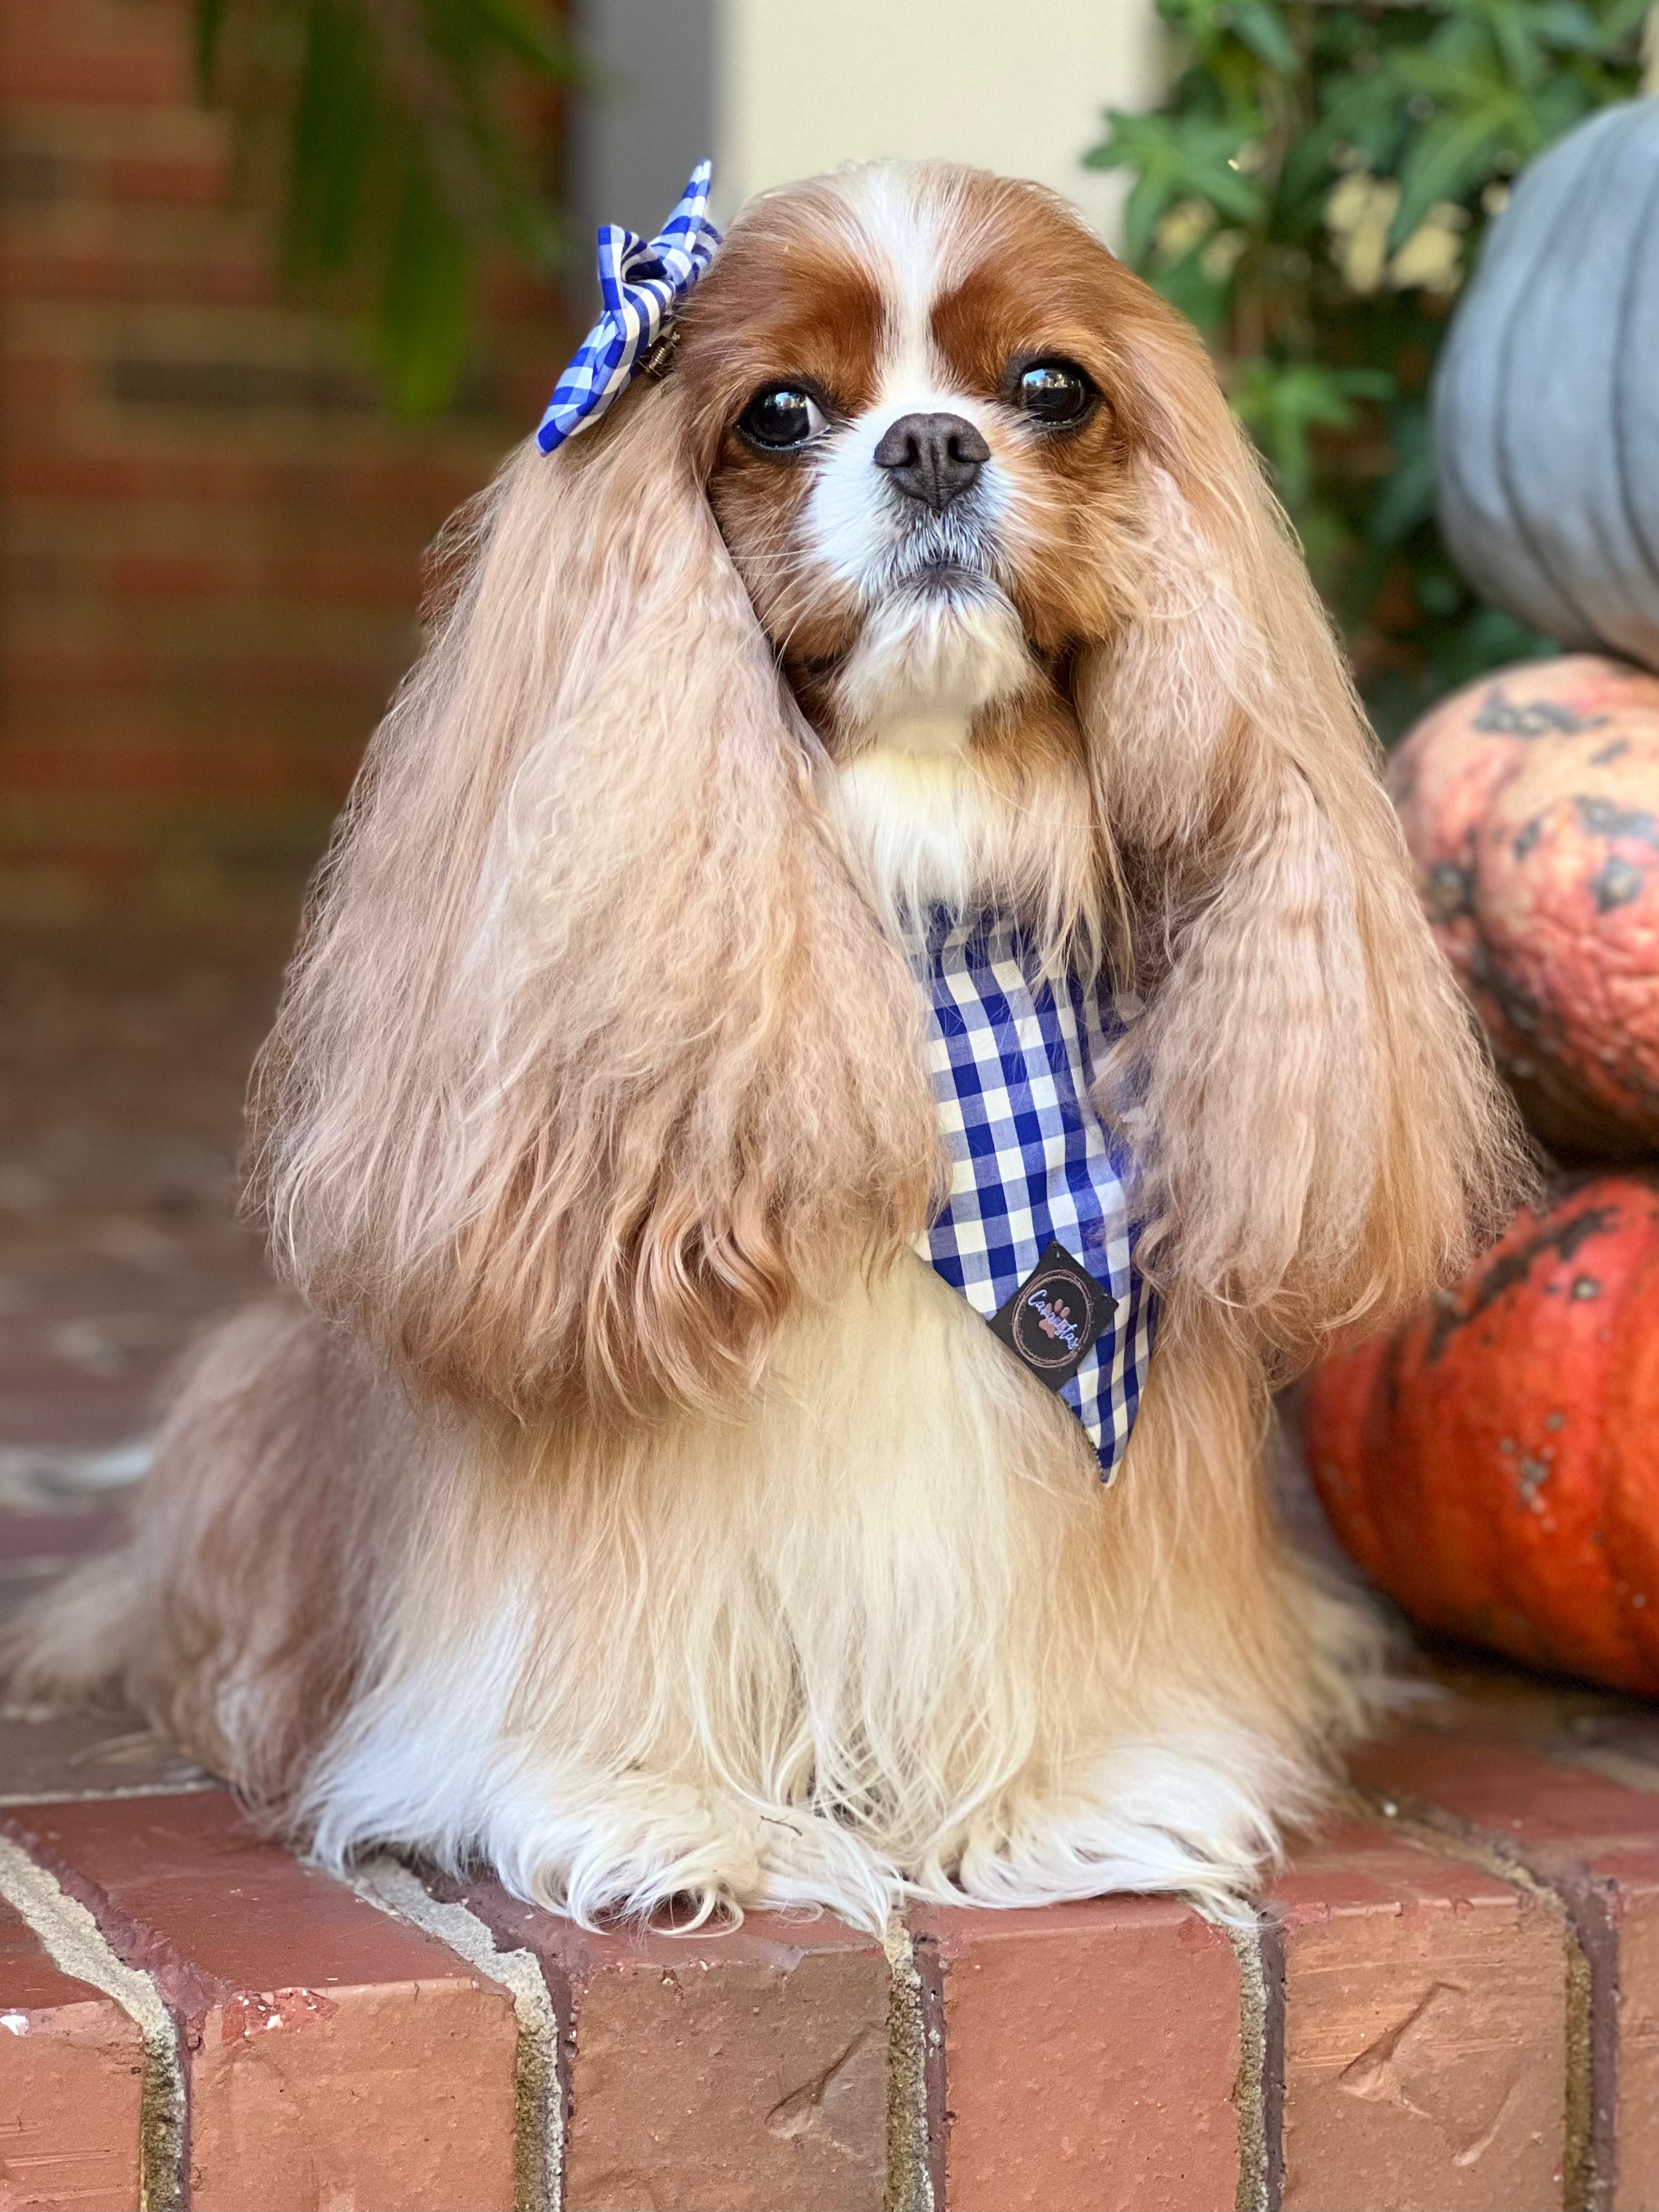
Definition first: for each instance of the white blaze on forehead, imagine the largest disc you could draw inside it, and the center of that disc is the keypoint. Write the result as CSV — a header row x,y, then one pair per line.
x,y
911,238
904,236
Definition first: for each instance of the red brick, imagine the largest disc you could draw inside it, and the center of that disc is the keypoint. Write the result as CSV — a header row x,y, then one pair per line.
x,y
30,384
366,578
715,2073
71,2082
180,182
330,507
333,2055
1423,2031
93,77
1596,1843
44,1754
237,276
1636,2169
1092,2053
180,578
213,463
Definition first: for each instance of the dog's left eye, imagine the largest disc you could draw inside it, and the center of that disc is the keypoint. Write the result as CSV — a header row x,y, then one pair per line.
x,y
781,417
1054,390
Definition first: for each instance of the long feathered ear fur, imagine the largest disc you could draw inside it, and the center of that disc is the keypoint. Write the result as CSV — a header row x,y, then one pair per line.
x,y
1324,1138
592,1061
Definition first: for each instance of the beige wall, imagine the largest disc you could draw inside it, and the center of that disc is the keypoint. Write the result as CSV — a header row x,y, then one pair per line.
x,y
1015,85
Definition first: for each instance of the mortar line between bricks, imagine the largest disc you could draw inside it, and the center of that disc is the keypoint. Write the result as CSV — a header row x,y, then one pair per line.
x,y
538,2133
919,2069
1257,1973
912,2023
1272,1940
75,1943
1590,2096
185,1787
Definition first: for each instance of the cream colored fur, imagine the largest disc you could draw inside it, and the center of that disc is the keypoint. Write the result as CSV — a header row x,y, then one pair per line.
x,y
632,1509
881,1635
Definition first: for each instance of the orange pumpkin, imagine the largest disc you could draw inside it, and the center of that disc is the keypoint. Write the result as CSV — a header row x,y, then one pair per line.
x,y
1530,802
1494,1465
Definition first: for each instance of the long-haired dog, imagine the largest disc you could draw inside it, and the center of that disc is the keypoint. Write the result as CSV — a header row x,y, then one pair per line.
x,y
629,1505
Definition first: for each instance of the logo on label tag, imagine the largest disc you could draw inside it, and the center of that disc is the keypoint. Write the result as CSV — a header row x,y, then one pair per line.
x,y
1053,1317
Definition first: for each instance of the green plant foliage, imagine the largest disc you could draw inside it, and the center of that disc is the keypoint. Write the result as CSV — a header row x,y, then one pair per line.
x,y
1312,194
401,140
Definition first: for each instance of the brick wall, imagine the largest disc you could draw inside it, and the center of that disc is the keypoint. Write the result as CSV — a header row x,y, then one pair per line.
x,y
1445,2002
213,533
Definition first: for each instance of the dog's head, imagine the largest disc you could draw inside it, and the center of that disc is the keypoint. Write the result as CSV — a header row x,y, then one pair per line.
x,y
944,432
916,396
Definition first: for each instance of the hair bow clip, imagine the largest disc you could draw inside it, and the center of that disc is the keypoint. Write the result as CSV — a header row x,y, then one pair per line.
x,y
640,282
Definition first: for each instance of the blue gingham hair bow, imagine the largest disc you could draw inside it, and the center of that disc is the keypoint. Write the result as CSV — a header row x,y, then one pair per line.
x,y
640,281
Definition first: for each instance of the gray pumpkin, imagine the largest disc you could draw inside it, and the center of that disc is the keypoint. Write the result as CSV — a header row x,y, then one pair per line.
x,y
1546,394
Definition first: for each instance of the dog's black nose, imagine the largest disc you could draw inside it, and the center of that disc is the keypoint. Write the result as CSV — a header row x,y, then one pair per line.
x,y
933,458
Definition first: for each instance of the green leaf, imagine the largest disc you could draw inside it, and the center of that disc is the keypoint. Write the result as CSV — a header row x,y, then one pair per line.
x,y
1282,403
1361,112
207,30
424,306
1187,284
1261,28
1622,23
1513,26
1569,28
1146,202
1178,158
1453,154
396,140
1405,500
333,128
1206,23
526,34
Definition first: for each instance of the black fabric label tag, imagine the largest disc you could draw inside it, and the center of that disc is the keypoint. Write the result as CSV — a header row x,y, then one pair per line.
x,y
1053,1317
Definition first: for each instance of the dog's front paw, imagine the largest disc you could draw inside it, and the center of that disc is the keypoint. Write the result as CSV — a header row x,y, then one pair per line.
x,y
1200,1815
602,1847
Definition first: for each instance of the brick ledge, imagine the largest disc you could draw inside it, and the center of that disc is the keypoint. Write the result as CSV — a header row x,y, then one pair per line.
x,y
1450,1999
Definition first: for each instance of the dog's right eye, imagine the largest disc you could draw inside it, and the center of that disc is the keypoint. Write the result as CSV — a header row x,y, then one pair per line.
x,y
780,417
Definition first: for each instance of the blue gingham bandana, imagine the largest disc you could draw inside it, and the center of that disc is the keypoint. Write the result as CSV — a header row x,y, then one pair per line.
x,y
1012,1060
640,282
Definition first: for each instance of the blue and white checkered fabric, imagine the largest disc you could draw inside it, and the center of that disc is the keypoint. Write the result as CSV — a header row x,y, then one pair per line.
x,y
1012,1062
640,281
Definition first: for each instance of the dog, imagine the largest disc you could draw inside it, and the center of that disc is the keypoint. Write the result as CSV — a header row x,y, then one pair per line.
x,y
621,1498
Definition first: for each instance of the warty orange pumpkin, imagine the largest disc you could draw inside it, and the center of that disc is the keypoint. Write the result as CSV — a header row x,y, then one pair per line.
x,y
1494,1464
1530,803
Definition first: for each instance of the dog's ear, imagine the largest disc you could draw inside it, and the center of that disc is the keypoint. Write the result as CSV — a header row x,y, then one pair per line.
x,y
592,1061
1323,1132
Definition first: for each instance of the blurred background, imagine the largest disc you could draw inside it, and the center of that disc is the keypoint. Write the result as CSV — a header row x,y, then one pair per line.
x,y
285,277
